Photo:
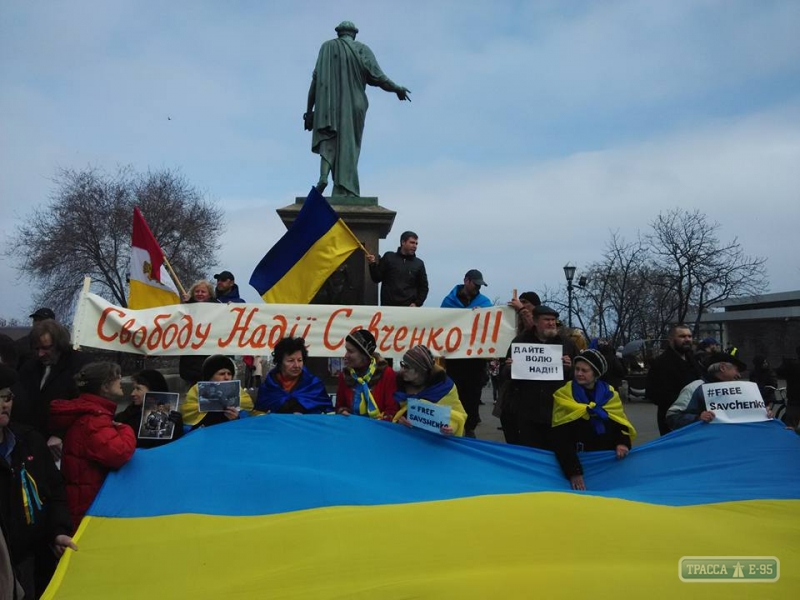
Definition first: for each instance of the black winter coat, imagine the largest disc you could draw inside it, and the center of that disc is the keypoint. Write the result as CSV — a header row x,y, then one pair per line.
x,y
405,281
31,453
32,404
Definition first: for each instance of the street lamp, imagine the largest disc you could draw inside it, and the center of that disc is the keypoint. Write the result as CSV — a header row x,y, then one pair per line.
x,y
569,273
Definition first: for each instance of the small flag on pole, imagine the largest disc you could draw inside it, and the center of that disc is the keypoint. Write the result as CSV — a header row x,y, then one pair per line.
x,y
150,283
315,245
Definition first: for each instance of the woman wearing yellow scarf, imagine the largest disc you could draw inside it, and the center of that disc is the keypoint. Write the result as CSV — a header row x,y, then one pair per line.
x,y
588,415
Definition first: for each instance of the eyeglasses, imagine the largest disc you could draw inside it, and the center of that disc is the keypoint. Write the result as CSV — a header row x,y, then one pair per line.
x,y
9,397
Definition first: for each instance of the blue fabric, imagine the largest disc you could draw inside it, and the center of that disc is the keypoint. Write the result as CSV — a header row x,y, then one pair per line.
x,y
309,391
452,300
278,463
432,393
313,221
600,396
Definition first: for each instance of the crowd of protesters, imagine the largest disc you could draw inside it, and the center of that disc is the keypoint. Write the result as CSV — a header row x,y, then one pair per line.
x,y
61,432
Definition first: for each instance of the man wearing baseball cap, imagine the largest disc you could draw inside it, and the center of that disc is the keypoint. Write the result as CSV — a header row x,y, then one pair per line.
x,y
691,403
227,290
467,373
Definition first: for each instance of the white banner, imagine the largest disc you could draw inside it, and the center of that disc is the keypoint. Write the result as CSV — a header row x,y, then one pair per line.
x,y
427,415
735,402
206,328
537,361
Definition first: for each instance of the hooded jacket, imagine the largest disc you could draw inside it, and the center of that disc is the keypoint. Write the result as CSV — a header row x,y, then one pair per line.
x,y
93,446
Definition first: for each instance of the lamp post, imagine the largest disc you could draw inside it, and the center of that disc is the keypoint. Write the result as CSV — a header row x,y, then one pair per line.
x,y
569,273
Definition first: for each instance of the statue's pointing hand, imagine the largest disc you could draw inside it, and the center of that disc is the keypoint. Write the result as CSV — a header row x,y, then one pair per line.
x,y
403,94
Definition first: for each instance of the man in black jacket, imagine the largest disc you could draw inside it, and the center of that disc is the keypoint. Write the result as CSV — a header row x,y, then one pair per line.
x,y
670,372
531,401
47,377
405,282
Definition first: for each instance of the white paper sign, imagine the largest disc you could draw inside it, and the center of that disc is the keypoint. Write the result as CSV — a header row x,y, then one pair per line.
x,y
735,402
537,361
427,415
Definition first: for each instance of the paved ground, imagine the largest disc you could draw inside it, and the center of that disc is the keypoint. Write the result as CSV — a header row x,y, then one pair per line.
x,y
641,414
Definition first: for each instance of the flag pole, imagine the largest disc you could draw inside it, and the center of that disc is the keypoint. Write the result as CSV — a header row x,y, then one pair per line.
x,y
174,276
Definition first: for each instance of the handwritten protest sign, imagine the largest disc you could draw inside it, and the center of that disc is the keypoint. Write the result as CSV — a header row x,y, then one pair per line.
x,y
427,415
210,328
735,402
537,361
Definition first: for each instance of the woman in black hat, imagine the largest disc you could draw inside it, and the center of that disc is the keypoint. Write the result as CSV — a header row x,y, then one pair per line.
x,y
215,368
588,415
148,380
367,383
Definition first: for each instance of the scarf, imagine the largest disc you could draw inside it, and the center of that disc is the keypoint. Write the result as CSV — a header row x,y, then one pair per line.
x,y
595,410
363,401
433,393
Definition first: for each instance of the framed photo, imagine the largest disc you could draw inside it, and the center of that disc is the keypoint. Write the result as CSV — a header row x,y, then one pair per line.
x,y
155,424
216,396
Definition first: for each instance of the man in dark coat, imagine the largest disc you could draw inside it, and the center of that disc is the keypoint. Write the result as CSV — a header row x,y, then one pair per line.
x,y
405,282
47,377
531,401
674,368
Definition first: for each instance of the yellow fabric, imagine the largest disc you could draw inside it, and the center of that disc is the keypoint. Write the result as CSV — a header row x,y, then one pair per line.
x,y
567,409
534,548
143,295
458,416
144,290
301,283
192,416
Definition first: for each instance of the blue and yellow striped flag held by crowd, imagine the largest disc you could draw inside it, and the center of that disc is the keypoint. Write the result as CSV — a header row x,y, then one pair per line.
x,y
293,271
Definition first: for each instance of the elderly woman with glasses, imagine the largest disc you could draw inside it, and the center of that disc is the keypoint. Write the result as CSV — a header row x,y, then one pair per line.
x,y
290,387
33,505
422,379
94,443
367,383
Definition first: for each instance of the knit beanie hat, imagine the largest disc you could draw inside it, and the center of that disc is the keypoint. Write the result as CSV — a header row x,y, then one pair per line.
x,y
419,358
152,379
364,341
531,297
8,376
216,362
594,359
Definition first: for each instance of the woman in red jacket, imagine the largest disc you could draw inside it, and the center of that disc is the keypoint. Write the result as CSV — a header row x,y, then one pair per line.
x,y
94,444
367,383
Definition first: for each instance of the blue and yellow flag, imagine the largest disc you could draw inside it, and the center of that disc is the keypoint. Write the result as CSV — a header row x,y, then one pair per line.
x,y
257,509
315,245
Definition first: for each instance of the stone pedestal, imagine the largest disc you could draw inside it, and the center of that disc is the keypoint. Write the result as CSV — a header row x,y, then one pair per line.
x,y
370,222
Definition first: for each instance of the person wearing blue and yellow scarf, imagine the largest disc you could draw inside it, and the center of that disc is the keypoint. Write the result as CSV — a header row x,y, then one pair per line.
x,y
290,387
422,379
367,383
588,415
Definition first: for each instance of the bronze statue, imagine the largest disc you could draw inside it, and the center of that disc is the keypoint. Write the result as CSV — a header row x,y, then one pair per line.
x,y
337,106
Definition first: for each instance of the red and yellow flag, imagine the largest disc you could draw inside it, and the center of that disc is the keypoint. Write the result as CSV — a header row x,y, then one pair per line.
x,y
150,283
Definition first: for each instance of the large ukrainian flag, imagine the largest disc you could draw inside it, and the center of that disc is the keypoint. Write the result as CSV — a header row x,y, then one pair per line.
x,y
285,506
295,268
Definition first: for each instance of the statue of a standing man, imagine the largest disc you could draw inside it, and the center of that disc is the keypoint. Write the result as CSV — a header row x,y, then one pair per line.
x,y
337,106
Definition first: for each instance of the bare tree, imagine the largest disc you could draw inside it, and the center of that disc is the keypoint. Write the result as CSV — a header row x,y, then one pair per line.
x,y
695,268
86,230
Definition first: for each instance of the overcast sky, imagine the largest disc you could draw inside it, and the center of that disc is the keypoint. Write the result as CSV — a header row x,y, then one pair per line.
x,y
535,128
